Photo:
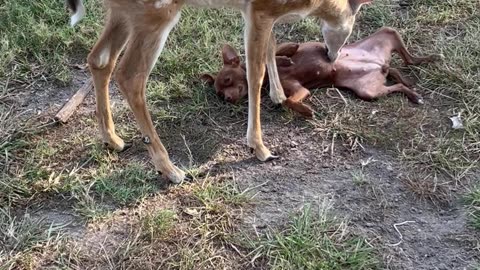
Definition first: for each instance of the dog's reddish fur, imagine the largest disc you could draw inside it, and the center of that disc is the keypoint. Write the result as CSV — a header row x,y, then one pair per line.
x,y
361,67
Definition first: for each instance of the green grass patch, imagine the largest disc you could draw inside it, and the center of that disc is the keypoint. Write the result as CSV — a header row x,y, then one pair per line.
x,y
314,241
212,194
21,235
37,41
472,199
159,224
34,172
359,178
126,185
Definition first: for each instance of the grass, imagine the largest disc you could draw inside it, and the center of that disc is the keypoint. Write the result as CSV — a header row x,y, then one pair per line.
x,y
359,178
36,39
175,230
23,236
183,230
159,224
314,241
210,194
455,81
472,200
126,185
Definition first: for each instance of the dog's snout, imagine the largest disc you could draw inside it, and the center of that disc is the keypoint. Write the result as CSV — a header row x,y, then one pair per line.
x,y
229,99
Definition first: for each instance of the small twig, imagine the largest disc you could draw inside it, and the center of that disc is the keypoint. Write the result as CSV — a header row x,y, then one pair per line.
x,y
75,170
333,144
71,106
254,187
399,233
213,121
190,155
236,250
341,96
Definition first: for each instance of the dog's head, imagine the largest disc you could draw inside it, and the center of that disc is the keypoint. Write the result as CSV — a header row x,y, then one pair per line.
x,y
231,81
338,26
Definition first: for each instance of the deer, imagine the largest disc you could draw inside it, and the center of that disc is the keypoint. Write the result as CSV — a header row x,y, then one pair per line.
x,y
141,28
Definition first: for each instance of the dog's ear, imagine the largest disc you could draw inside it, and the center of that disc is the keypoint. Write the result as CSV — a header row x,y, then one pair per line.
x,y
230,56
356,4
284,61
208,78
287,49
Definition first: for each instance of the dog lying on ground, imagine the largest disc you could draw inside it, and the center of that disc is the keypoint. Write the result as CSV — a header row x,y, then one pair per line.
x,y
362,67
141,27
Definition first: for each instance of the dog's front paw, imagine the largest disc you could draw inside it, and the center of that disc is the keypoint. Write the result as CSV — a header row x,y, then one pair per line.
x,y
416,98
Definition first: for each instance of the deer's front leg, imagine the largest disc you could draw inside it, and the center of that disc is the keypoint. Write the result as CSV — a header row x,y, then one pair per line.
x,y
276,90
258,29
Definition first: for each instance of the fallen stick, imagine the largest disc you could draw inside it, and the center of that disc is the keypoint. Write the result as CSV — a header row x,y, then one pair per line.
x,y
69,108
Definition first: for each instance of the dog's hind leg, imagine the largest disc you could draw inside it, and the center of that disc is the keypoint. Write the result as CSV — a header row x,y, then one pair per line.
x,y
371,92
398,46
397,76
411,94
147,41
101,62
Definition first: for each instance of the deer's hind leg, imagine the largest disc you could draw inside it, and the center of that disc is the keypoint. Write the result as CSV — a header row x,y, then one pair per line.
x,y
148,37
101,62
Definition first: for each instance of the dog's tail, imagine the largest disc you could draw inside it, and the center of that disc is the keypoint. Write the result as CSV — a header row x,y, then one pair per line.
x,y
78,10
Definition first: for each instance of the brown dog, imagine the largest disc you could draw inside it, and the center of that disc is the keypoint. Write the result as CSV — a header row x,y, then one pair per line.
x,y
142,27
361,67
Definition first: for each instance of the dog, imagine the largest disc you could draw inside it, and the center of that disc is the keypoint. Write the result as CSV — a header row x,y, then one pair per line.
x,y
362,67
142,26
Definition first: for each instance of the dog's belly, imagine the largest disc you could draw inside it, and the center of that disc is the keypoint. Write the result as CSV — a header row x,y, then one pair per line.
x,y
354,62
357,69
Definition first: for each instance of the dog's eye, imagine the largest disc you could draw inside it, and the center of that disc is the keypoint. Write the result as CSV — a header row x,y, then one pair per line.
x,y
227,81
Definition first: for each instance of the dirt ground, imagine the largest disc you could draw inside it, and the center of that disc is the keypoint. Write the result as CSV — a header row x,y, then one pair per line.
x,y
366,186
430,237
